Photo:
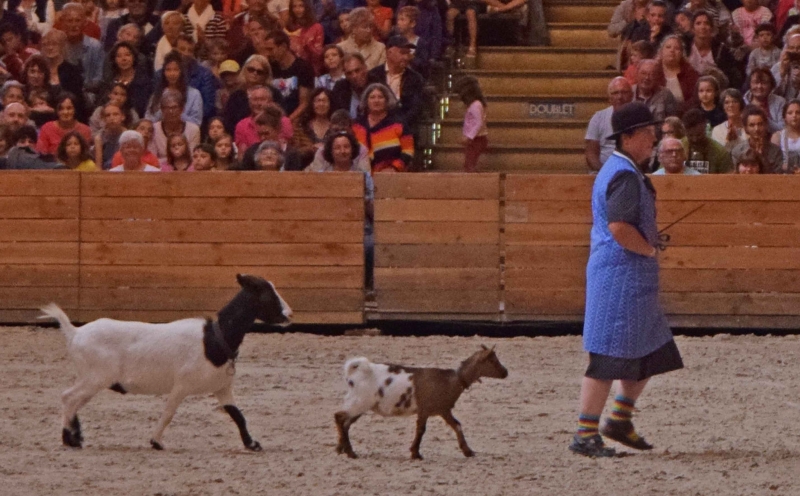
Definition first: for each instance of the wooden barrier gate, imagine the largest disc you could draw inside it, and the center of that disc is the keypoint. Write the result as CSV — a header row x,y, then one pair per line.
x,y
483,247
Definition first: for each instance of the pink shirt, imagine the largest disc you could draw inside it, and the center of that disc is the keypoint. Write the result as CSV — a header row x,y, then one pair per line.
x,y
475,121
747,22
51,133
246,133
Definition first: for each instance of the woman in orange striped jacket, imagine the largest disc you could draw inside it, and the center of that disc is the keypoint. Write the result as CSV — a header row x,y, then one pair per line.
x,y
388,139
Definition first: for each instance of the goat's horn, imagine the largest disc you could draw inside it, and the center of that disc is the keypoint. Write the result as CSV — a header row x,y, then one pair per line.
x,y
484,347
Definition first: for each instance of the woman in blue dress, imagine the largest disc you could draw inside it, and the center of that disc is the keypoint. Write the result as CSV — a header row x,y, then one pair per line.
x,y
625,330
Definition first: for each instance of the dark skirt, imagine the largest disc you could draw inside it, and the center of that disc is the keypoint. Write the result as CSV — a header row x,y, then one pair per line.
x,y
607,368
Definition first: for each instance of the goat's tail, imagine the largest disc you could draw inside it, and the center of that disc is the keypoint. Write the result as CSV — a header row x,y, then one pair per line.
x,y
54,311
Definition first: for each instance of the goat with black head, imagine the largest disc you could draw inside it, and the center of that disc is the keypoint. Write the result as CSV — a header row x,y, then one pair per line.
x,y
178,359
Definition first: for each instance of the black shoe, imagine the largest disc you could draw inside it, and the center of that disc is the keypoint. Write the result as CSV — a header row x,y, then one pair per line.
x,y
592,446
622,431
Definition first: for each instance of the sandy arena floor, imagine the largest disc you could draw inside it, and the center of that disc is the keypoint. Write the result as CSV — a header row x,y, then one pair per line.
x,y
727,424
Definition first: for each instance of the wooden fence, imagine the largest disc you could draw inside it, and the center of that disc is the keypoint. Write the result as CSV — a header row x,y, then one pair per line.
x,y
482,247
157,246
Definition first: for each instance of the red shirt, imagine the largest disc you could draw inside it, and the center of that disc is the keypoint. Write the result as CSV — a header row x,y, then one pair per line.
x,y
91,29
148,158
51,133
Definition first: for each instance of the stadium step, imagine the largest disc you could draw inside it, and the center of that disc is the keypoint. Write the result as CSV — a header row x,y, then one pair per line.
x,y
543,82
579,11
530,132
515,158
545,58
503,107
581,35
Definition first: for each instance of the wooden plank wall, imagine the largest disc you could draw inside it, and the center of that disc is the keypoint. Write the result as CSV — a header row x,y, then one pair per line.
x,y
437,246
156,247
733,263
38,242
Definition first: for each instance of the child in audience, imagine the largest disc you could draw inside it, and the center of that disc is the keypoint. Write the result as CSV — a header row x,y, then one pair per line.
x,y
748,17
217,51
204,157
406,27
41,110
345,30
119,97
640,50
179,158
216,128
226,153
475,133
332,56
708,99
106,142
750,163
230,82
73,152
766,54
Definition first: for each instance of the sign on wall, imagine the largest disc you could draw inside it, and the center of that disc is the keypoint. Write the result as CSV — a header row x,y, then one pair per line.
x,y
551,109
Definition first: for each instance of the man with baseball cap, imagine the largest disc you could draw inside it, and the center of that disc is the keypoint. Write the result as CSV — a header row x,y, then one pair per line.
x,y
406,83
625,330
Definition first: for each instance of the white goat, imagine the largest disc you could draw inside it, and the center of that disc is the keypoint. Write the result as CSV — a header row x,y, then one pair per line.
x,y
181,358
392,390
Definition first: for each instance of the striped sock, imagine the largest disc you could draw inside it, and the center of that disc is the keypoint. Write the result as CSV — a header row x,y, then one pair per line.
x,y
622,409
588,425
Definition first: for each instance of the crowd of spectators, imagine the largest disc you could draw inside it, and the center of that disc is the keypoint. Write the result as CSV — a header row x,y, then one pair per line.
x,y
191,85
722,75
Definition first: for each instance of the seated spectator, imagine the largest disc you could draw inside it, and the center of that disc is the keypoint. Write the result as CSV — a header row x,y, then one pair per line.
x,y
12,92
406,83
792,45
673,128
427,25
36,77
172,123
204,158
672,157
11,16
246,134
197,76
332,57
126,68
748,17
52,132
345,29
73,153
139,12
179,157
419,55
268,124
255,72
680,78
229,81
708,100
719,14
39,15
750,163
82,51
346,93
238,35
731,132
788,138
15,48
469,9
362,41
226,155
756,125
108,11
131,148
41,108
659,100
23,155
119,97
5,141
306,36
15,115
312,127
207,23
760,94
707,52
389,141
789,88
341,123
765,53
106,142
653,28
172,23
683,24
216,128
625,13
292,76
64,76
641,50
269,156
145,128
91,27
217,52
705,155
381,19
598,145
173,77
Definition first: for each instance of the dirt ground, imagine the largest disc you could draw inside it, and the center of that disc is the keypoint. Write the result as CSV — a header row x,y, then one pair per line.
x,y
727,424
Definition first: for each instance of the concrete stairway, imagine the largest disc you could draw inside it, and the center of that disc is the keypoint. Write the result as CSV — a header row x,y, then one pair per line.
x,y
540,99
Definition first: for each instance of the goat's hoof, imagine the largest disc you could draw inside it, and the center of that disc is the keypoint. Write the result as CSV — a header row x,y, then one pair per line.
x,y
351,454
339,449
469,453
70,440
156,445
254,446
416,456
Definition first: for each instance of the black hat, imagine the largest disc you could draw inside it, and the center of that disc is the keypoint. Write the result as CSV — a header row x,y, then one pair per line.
x,y
399,42
630,117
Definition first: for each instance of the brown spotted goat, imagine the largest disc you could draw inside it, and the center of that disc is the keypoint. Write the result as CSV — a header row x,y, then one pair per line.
x,y
394,390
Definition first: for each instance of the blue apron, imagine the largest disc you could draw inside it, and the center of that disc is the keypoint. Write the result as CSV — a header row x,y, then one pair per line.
x,y
623,316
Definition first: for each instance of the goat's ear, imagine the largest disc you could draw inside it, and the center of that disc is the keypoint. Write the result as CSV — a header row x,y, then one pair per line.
x,y
246,281
483,347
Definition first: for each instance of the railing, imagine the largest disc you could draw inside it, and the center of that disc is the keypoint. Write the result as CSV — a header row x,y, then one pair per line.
x,y
480,247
